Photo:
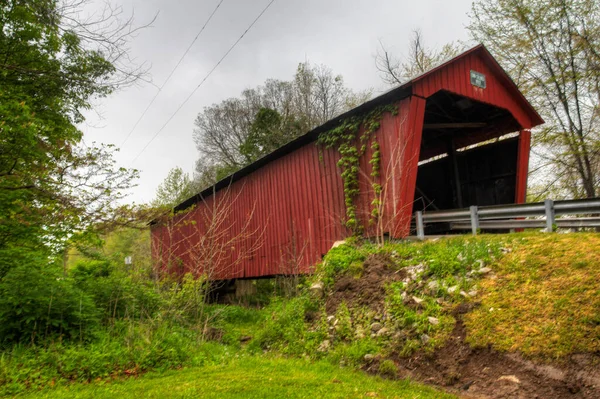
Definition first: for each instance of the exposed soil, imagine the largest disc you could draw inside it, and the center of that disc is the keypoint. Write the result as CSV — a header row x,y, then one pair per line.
x,y
460,369
368,290
486,373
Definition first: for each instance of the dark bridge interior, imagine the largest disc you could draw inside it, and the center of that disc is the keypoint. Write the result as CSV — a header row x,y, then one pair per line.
x,y
462,162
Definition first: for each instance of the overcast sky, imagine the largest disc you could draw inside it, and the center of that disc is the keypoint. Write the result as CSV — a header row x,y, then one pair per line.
x,y
343,35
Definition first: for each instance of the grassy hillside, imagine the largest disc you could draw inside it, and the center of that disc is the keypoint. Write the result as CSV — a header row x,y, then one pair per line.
x,y
545,301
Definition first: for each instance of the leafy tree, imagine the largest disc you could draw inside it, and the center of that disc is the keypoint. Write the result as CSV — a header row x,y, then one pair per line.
x,y
53,187
237,131
50,184
176,188
268,132
551,48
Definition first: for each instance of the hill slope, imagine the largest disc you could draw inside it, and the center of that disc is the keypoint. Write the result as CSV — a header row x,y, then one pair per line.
x,y
488,316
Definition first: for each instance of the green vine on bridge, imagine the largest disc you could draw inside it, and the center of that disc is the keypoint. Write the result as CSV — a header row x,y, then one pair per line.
x,y
351,146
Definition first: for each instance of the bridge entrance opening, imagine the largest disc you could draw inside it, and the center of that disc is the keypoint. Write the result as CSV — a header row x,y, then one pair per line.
x,y
469,154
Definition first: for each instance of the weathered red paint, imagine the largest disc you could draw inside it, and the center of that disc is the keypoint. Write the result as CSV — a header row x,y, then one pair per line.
x,y
282,217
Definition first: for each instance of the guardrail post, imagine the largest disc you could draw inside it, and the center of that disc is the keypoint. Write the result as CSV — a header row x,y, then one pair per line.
x,y
474,219
549,209
420,226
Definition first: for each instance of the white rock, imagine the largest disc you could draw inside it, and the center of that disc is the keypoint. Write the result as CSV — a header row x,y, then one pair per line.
x,y
338,243
416,300
485,270
433,286
376,327
433,320
452,290
324,347
404,297
317,289
510,378
368,357
384,331
425,338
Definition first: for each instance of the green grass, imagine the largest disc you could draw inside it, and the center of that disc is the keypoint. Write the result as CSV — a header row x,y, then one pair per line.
x,y
250,377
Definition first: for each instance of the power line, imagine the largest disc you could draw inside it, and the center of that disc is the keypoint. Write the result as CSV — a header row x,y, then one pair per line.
x,y
203,80
171,74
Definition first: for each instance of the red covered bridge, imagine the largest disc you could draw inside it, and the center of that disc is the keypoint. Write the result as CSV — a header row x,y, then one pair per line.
x,y
282,213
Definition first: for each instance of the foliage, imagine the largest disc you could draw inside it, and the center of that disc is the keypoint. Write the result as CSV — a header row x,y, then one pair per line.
x,y
50,184
176,188
116,294
339,260
351,145
544,301
40,303
352,353
552,51
253,377
268,132
388,368
127,350
286,331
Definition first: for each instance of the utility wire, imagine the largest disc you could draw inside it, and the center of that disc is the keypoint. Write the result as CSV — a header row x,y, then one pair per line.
x,y
203,80
171,74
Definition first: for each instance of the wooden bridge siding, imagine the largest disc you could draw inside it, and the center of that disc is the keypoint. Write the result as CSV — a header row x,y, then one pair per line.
x,y
298,200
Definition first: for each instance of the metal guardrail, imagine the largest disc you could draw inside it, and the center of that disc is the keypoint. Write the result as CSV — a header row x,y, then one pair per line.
x,y
513,216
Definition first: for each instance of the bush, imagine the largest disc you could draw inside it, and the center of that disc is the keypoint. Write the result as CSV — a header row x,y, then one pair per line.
x,y
116,294
39,302
341,259
388,368
132,348
353,353
286,329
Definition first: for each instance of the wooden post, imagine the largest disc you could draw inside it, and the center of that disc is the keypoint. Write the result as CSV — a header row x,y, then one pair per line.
x,y
455,175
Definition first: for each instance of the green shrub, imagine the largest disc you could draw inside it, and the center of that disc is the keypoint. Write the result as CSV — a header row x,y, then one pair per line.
x,y
341,259
353,353
388,368
129,349
343,327
38,302
116,294
286,329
